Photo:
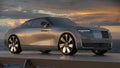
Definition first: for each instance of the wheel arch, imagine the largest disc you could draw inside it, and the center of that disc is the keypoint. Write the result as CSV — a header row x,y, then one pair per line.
x,y
7,36
13,35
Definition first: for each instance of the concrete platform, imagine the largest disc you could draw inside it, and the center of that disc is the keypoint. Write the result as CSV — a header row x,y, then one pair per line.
x,y
57,60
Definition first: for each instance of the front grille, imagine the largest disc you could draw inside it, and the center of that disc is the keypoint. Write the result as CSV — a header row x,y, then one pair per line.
x,y
96,45
95,34
105,34
87,34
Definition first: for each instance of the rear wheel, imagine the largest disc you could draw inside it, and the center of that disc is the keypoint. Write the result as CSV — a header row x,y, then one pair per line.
x,y
99,52
67,44
14,44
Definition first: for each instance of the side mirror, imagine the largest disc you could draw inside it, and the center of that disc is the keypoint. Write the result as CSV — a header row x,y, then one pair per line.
x,y
44,24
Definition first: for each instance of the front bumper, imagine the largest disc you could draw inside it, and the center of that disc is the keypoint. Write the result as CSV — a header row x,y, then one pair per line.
x,y
96,44
96,39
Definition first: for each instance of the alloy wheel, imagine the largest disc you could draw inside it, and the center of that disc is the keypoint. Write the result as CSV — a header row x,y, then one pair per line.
x,y
67,44
14,44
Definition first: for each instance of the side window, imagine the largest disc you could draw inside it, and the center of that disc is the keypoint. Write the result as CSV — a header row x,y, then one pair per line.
x,y
37,23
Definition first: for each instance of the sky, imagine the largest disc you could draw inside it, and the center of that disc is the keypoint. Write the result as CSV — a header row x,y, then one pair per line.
x,y
93,12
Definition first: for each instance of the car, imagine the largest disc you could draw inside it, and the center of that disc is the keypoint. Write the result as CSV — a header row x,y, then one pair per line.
x,y
54,33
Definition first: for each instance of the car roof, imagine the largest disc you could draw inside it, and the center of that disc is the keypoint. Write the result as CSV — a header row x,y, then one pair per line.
x,y
47,17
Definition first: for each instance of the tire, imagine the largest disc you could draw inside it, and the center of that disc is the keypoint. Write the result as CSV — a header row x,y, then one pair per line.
x,y
67,44
45,51
14,44
99,52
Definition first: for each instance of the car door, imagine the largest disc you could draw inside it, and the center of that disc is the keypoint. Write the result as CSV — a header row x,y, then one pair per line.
x,y
37,34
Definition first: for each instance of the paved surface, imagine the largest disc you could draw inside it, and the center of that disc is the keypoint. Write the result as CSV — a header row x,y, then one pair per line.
x,y
57,59
108,57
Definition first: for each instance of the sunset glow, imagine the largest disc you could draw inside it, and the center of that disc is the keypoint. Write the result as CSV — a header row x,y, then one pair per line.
x,y
10,23
13,23
113,12
80,11
112,28
88,12
21,21
84,13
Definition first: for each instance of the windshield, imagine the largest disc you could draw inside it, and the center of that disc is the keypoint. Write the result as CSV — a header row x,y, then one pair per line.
x,y
62,21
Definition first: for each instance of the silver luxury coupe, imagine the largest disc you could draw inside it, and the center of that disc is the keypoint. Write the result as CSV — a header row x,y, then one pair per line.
x,y
53,33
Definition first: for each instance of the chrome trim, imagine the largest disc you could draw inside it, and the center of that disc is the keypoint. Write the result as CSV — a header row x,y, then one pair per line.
x,y
84,30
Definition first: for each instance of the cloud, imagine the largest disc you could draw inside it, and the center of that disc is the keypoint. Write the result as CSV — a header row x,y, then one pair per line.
x,y
15,22
51,13
21,15
11,22
59,5
97,17
81,11
96,12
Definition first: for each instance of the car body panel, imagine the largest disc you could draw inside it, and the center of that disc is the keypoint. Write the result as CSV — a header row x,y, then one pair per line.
x,y
41,38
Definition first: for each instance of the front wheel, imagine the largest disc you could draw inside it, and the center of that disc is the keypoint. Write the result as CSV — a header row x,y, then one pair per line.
x,y
99,52
67,45
14,44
